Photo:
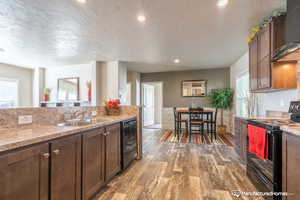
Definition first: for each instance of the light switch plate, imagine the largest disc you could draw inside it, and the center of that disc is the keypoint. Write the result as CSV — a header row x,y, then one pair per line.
x,y
25,119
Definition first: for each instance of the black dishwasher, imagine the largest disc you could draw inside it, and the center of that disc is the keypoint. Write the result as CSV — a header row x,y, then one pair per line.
x,y
128,142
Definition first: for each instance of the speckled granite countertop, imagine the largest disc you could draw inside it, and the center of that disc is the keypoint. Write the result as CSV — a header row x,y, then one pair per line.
x,y
12,138
295,130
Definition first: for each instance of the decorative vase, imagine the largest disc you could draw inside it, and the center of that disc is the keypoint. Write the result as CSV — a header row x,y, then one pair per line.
x,y
90,94
46,97
112,111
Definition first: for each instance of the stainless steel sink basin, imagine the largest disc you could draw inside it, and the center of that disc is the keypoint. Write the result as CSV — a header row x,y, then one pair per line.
x,y
78,122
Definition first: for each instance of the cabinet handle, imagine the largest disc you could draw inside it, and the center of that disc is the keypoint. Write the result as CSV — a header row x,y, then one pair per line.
x,y
56,152
46,155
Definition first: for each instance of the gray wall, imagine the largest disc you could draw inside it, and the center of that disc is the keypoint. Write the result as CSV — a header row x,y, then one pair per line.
x,y
216,78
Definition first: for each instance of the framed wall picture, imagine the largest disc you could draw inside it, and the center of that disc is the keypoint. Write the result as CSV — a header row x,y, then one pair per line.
x,y
193,88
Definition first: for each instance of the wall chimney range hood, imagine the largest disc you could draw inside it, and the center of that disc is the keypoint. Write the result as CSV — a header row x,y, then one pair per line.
x,y
291,50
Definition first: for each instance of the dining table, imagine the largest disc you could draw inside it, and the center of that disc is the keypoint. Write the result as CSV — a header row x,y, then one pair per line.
x,y
208,113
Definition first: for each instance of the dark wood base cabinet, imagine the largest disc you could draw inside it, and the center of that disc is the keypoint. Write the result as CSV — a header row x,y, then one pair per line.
x,y
93,162
66,168
24,174
113,151
240,137
101,158
70,168
290,166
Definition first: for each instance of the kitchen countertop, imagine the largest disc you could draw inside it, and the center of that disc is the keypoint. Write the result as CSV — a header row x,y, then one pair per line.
x,y
295,130
12,138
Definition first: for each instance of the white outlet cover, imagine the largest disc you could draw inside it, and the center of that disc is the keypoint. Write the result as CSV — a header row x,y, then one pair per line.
x,y
25,119
94,113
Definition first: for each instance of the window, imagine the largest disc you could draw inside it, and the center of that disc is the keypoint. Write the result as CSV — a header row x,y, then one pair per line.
x,y
8,93
242,95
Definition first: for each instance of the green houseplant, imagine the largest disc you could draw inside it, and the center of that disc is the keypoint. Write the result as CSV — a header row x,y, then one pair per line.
x,y
221,99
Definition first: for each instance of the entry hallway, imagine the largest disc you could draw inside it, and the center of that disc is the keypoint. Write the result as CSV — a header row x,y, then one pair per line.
x,y
180,172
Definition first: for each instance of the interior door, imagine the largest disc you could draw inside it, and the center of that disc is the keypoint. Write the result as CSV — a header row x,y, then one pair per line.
x,y
148,105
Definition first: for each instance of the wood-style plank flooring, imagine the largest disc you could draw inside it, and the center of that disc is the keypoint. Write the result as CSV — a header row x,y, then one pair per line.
x,y
180,172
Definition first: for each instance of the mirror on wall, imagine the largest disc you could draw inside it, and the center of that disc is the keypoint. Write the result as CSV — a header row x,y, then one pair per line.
x,y
68,89
194,88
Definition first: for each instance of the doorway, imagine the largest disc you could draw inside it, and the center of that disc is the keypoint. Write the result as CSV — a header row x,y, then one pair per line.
x,y
152,104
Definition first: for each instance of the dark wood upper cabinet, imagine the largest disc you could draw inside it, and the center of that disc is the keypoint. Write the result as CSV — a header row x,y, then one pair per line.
x,y
24,174
264,41
290,166
278,27
113,151
264,71
253,64
93,162
264,74
66,168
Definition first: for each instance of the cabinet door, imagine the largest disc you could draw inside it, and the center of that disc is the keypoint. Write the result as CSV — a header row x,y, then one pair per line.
x,y
113,151
290,166
66,168
24,174
93,162
253,63
264,41
241,132
277,35
264,71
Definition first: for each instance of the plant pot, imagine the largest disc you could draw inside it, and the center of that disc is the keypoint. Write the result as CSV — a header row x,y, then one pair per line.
x,y
221,129
112,111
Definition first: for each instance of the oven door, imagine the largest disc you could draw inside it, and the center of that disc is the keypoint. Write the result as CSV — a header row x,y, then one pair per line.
x,y
265,167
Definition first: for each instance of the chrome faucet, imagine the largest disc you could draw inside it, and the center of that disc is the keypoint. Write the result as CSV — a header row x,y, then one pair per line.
x,y
74,115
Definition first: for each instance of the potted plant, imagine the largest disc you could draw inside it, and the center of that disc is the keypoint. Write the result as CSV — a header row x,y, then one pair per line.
x,y
112,107
221,99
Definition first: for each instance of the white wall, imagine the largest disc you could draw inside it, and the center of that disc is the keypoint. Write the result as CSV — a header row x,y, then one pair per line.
x,y
112,78
134,78
38,85
123,82
275,101
25,78
83,71
240,67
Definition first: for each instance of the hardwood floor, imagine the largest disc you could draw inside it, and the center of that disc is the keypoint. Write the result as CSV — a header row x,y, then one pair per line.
x,y
180,172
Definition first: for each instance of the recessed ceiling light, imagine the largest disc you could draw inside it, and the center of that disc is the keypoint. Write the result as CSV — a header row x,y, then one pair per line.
x,y
81,1
141,18
176,61
222,3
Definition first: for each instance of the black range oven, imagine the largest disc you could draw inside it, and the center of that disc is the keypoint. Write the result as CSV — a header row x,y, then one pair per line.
x,y
128,142
266,174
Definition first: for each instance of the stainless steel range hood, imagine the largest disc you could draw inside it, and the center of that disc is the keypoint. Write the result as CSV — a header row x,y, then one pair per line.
x,y
291,50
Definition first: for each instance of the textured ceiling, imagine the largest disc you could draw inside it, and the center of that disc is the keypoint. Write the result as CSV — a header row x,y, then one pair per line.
x,y
61,32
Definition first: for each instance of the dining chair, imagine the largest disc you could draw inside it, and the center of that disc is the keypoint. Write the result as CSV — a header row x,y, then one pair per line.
x,y
212,125
178,123
196,121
